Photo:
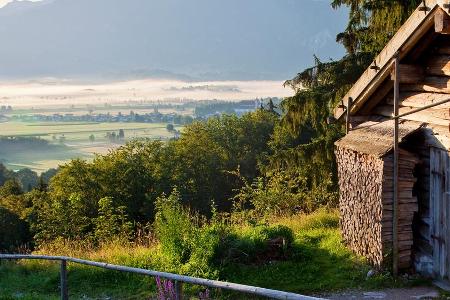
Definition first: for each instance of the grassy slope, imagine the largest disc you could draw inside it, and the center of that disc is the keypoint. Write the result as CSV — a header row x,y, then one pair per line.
x,y
320,263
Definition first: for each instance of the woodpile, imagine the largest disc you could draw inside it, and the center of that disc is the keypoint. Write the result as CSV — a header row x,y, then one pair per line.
x,y
360,182
407,206
366,204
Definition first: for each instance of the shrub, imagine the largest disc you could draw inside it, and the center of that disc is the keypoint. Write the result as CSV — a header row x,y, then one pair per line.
x,y
65,218
196,247
112,222
204,260
174,228
14,232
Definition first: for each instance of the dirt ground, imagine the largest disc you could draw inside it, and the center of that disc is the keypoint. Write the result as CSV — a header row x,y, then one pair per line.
x,y
418,293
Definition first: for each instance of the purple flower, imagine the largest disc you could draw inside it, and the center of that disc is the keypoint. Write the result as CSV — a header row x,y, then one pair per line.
x,y
165,289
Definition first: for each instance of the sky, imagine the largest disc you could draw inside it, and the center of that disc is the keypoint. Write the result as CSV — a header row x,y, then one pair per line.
x,y
198,40
4,2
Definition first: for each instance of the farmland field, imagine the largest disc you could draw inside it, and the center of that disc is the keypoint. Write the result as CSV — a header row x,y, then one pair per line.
x,y
80,131
71,140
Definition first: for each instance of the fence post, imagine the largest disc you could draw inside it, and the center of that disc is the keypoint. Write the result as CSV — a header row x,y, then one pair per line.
x,y
63,275
178,290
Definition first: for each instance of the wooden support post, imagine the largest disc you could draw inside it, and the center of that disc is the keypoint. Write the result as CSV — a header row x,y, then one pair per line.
x,y
63,275
396,157
347,120
178,290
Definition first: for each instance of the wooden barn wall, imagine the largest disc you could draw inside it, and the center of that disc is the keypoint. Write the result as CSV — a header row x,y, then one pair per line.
x,y
360,182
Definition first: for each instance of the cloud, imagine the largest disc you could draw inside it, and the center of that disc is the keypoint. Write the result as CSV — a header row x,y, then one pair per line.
x,y
5,2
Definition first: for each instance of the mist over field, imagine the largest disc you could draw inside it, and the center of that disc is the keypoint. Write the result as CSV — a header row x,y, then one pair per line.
x,y
63,93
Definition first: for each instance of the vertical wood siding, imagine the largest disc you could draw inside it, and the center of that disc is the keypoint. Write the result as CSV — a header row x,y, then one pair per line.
x,y
440,211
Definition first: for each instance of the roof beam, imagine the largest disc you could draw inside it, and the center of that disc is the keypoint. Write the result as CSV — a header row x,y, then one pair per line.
x,y
418,24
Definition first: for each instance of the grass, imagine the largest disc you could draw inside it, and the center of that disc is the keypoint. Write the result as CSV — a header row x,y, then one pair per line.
x,y
319,263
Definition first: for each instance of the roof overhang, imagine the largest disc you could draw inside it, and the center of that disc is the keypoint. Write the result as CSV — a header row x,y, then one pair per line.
x,y
380,135
417,25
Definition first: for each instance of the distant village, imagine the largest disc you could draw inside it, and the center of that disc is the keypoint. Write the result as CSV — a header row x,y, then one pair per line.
x,y
201,111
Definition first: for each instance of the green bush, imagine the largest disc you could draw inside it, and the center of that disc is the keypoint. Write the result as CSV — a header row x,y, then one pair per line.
x,y
14,232
174,228
112,222
200,248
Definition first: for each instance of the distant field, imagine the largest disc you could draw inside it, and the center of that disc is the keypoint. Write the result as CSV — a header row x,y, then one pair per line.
x,y
80,131
76,142
83,110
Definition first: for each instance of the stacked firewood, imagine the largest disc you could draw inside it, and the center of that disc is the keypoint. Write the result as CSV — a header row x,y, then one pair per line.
x,y
361,182
366,204
407,206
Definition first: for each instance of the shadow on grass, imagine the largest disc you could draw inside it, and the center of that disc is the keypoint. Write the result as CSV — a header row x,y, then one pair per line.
x,y
319,264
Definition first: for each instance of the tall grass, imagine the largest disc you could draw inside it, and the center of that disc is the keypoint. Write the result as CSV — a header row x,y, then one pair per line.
x,y
314,262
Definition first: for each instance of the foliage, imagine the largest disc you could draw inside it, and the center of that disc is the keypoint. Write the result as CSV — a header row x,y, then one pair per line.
x,y
373,23
14,231
226,144
5,174
63,219
170,127
47,176
27,178
112,222
174,228
197,247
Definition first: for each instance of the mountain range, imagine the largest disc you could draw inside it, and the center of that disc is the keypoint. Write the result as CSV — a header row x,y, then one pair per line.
x,y
183,39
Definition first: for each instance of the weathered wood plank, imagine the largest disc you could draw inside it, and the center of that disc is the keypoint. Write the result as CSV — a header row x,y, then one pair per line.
x,y
409,74
417,100
441,22
438,65
436,117
434,84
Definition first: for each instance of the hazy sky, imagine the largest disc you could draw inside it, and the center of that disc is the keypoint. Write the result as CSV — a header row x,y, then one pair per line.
x,y
4,2
172,39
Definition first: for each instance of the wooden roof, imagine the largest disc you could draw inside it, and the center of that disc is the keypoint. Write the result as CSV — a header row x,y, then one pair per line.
x,y
418,24
375,138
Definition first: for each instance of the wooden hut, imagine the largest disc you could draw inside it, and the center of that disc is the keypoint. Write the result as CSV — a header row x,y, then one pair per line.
x,y
413,72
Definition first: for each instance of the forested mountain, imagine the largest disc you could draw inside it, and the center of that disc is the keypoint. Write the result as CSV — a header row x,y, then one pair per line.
x,y
205,39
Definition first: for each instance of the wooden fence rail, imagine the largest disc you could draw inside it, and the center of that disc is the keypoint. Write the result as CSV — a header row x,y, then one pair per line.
x,y
178,279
